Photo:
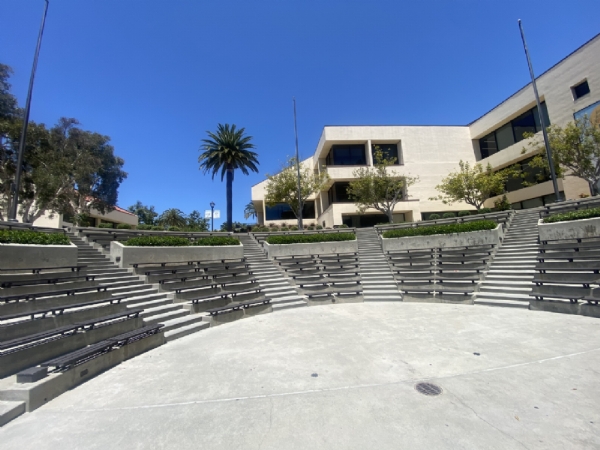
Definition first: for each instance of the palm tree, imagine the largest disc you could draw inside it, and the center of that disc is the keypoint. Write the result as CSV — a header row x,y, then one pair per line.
x,y
249,211
226,150
172,217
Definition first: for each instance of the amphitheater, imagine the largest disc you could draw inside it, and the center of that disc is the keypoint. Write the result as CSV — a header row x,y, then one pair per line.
x,y
473,346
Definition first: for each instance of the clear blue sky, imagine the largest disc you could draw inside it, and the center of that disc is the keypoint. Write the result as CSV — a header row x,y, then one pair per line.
x,y
154,75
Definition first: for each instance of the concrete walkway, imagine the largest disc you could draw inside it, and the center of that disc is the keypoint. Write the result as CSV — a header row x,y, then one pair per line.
x,y
342,377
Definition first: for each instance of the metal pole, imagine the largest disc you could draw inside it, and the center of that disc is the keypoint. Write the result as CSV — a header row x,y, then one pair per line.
x,y
541,116
212,216
13,210
298,168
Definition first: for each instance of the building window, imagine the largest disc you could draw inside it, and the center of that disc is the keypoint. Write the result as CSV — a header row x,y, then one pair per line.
x,y
282,211
580,90
512,132
389,151
338,193
346,155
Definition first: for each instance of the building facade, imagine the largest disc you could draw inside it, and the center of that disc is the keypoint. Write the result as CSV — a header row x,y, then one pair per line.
x,y
568,90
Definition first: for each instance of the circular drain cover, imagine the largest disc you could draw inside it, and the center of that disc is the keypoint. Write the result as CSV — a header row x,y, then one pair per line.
x,y
428,389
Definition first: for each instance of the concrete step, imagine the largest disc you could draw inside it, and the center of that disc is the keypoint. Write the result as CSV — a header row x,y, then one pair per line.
x,y
161,309
502,303
185,330
183,321
288,305
151,303
161,318
503,295
9,410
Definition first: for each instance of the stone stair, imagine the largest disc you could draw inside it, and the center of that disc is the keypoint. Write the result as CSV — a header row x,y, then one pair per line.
x,y
508,280
377,279
158,306
9,410
271,279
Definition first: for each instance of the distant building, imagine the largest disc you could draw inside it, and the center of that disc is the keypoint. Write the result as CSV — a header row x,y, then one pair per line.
x,y
569,89
116,216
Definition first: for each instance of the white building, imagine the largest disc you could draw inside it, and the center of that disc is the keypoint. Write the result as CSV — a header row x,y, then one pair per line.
x,y
567,90
116,216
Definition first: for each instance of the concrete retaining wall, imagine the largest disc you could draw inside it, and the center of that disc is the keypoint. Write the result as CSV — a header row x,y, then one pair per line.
x,y
313,248
572,229
124,256
473,238
557,306
27,256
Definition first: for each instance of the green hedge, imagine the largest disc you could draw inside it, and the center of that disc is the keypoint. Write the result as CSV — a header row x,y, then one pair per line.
x,y
144,227
448,215
484,211
310,238
105,225
573,215
463,213
478,225
32,237
157,241
216,240
123,226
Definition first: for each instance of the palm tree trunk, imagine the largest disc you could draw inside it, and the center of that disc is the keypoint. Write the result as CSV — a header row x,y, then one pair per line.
x,y
229,198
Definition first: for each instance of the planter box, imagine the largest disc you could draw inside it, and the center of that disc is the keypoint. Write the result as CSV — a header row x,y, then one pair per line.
x,y
124,255
29,256
313,248
471,238
572,229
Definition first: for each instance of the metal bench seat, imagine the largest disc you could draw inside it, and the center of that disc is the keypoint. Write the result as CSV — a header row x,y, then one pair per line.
x,y
36,295
452,275
400,268
575,246
573,294
464,266
49,280
135,335
584,279
346,269
237,306
411,258
580,266
462,259
569,256
58,310
34,270
397,253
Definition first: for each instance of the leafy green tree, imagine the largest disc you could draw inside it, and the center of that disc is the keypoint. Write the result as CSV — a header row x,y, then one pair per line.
x,y
172,217
472,185
576,148
227,150
8,102
379,187
283,186
249,211
195,222
146,214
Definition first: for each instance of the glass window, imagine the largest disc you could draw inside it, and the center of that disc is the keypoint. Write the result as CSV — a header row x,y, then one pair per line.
x,y
536,116
338,193
347,155
389,151
487,145
581,89
505,137
282,211
525,123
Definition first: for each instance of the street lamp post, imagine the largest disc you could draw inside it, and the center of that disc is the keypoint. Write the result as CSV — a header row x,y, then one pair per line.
x,y
212,216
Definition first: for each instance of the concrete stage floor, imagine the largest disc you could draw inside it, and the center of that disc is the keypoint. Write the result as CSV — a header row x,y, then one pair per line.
x,y
342,377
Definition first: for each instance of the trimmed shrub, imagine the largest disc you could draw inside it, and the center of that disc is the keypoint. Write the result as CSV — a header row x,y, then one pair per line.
x,y
319,227
157,241
573,215
429,230
433,216
294,228
502,204
123,226
484,211
464,213
105,225
343,226
216,240
174,229
32,237
157,228
310,238
448,215
284,229
144,227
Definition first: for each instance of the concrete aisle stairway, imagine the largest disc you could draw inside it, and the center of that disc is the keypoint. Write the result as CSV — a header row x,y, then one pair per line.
x,y
272,281
508,281
377,279
158,306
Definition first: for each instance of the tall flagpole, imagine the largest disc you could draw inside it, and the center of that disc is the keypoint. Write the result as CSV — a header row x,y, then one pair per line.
x,y
541,116
298,168
15,200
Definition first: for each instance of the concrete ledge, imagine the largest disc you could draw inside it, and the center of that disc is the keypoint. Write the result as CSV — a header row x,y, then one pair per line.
x,y
557,306
313,248
124,255
469,239
572,229
37,394
457,299
205,305
27,256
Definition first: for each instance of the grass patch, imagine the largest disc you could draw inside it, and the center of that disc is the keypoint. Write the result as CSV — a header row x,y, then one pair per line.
x,y
216,240
573,215
450,228
33,237
310,238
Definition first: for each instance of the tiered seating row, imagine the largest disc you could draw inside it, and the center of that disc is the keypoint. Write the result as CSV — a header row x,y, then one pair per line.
x,y
568,270
445,272
568,206
322,277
